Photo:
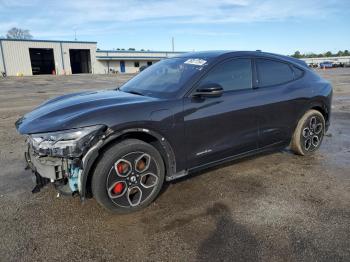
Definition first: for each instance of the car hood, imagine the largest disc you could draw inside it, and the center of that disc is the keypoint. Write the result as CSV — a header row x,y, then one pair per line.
x,y
66,111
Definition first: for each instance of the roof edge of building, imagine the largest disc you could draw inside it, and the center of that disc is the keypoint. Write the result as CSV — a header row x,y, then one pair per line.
x,y
136,51
47,41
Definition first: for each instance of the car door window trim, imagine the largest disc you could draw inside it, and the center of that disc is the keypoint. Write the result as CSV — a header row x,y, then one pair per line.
x,y
274,60
195,85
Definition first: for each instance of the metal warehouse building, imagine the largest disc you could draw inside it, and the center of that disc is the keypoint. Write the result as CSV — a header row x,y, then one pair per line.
x,y
35,57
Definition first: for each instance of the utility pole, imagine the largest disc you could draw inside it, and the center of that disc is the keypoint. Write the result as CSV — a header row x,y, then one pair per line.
x,y
75,35
172,44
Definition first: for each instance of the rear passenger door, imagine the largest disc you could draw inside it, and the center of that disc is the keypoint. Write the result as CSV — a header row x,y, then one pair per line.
x,y
277,92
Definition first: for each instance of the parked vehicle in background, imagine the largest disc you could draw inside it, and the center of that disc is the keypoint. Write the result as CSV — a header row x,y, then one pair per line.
x,y
326,64
179,116
313,65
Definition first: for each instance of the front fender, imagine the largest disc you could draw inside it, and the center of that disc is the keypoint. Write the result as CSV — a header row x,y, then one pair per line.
x,y
92,155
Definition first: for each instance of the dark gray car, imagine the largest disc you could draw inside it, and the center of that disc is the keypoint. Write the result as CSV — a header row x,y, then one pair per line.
x,y
180,115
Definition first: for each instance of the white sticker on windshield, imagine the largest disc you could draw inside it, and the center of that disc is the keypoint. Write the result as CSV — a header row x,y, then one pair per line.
x,y
195,61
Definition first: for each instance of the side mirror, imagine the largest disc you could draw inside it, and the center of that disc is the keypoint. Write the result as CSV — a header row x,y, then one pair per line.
x,y
209,90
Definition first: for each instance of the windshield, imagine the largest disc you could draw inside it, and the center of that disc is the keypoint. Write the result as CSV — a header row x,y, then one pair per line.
x,y
164,78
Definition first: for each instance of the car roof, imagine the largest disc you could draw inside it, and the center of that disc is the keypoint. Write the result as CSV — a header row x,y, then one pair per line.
x,y
211,55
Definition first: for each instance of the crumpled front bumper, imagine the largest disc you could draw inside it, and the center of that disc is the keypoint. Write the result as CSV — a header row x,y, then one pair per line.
x,y
63,173
50,168
69,176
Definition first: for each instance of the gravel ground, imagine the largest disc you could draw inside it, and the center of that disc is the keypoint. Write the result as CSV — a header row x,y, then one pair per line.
x,y
275,207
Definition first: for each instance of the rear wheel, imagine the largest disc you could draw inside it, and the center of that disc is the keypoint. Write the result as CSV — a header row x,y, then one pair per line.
x,y
309,133
128,177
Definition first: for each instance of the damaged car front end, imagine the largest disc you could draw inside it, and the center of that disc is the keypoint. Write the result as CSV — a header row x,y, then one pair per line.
x,y
62,157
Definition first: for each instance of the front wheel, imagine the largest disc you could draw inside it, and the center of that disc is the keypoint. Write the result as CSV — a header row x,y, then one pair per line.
x,y
309,133
128,176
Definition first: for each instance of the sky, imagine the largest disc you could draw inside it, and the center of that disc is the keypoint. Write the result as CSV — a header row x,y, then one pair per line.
x,y
279,26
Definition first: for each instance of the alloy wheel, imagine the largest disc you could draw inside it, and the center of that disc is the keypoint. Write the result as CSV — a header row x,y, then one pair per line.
x,y
132,179
312,133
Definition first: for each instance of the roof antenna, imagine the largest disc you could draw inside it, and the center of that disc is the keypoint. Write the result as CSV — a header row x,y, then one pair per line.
x,y
172,44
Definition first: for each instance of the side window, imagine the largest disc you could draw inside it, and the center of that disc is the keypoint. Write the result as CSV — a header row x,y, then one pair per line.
x,y
232,75
272,72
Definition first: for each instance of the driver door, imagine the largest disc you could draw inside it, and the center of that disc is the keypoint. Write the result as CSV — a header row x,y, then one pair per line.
x,y
219,127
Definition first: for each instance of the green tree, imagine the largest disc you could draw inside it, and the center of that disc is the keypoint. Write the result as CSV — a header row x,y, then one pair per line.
x,y
340,53
328,54
346,52
297,54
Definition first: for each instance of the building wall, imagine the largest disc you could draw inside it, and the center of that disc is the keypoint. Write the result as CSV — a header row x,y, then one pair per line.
x,y
66,58
2,69
113,58
17,58
131,54
102,66
318,60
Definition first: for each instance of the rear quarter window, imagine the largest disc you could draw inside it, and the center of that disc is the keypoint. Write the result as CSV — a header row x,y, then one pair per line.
x,y
298,73
271,72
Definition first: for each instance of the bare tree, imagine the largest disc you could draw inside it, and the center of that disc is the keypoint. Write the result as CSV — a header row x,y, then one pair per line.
x,y
18,33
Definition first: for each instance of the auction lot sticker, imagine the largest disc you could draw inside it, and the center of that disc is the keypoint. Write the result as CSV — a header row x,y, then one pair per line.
x,y
195,61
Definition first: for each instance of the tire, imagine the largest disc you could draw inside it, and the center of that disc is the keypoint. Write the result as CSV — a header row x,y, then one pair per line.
x,y
128,176
309,133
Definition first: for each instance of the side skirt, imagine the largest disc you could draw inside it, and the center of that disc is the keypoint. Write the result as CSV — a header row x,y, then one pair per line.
x,y
270,148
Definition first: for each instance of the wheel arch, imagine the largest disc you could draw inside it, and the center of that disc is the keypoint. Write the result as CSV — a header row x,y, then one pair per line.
x,y
323,107
114,137
323,110
317,105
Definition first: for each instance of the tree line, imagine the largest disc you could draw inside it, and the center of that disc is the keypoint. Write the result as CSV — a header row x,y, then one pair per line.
x,y
297,54
18,33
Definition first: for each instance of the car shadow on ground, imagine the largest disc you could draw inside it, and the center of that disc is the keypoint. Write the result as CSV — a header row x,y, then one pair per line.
x,y
229,241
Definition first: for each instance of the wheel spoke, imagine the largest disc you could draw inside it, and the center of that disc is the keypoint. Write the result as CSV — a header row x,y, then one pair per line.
x,y
142,162
134,196
123,167
148,180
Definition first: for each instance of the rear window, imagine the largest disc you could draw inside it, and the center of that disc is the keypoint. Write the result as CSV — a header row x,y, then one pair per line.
x,y
272,72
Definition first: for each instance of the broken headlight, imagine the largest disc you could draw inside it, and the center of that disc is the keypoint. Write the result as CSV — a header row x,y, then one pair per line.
x,y
67,143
